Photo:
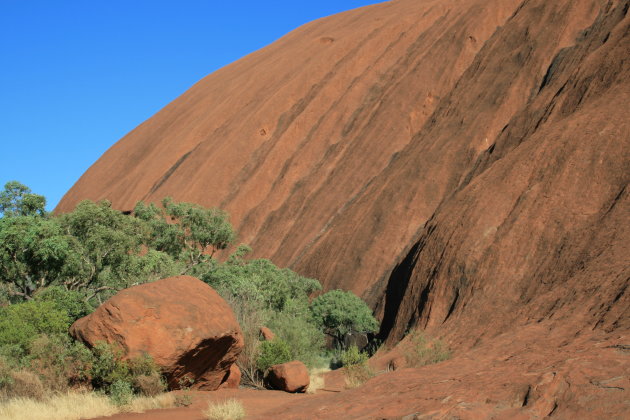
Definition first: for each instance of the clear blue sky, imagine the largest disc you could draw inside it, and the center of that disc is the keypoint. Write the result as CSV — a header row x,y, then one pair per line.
x,y
76,76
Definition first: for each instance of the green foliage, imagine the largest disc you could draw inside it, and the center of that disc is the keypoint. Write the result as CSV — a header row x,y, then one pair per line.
x,y
294,326
263,294
60,361
110,368
261,283
121,392
54,269
18,200
352,356
272,353
422,351
355,363
70,301
21,323
187,232
33,253
105,242
341,313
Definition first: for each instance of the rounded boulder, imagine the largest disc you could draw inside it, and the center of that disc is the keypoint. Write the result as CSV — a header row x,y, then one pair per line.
x,y
182,323
290,377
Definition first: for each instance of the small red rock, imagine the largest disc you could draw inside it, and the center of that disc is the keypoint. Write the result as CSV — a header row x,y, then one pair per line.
x,y
233,379
289,377
267,334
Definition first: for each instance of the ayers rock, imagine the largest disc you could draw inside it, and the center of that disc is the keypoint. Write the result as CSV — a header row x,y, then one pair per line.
x,y
461,164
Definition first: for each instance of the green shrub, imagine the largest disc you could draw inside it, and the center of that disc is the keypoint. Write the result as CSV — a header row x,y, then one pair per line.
x,y
108,366
146,376
60,362
294,326
121,392
272,353
149,385
352,356
355,363
21,323
260,282
140,373
70,301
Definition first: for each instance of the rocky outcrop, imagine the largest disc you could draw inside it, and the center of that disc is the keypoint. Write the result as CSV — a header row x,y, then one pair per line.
x,y
527,374
186,327
288,377
289,139
463,165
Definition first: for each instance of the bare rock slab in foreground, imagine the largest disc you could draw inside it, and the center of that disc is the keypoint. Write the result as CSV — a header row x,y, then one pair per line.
x,y
188,329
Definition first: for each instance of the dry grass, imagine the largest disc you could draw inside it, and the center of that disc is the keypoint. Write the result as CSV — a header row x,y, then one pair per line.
x,y
24,384
357,375
422,350
228,410
317,381
77,405
70,406
142,404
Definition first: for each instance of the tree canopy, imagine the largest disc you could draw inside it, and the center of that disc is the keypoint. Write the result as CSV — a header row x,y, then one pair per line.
x,y
18,200
97,250
340,313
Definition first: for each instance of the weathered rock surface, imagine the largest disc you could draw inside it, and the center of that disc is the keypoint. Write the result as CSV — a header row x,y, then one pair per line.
x,y
288,139
188,329
463,165
529,374
288,377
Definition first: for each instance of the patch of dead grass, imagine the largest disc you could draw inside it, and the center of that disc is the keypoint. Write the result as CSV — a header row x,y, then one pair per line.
x,y
231,409
317,381
77,405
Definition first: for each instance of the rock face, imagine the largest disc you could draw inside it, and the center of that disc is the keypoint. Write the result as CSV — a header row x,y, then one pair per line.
x,y
463,165
289,139
288,377
188,329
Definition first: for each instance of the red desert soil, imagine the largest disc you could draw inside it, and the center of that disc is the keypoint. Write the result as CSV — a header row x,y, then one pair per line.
x,y
463,165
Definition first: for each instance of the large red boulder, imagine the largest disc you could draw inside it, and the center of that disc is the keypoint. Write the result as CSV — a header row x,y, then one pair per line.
x,y
186,327
289,377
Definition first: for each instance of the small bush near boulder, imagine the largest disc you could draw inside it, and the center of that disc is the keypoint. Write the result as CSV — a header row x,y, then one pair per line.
x,y
228,410
60,362
273,352
141,374
422,351
121,392
357,370
21,323
70,301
